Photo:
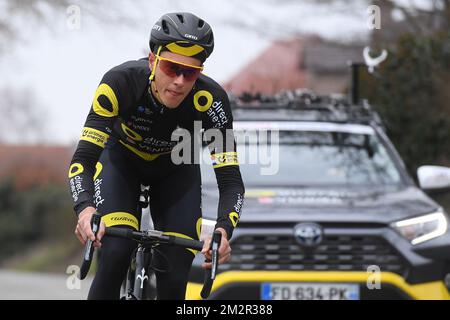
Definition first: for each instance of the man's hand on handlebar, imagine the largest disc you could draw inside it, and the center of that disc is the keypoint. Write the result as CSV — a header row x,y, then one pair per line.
x,y
224,250
83,230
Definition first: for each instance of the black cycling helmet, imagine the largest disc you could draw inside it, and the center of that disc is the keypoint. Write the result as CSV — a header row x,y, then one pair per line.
x,y
183,33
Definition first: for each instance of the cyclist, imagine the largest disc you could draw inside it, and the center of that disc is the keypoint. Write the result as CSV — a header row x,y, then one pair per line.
x,y
126,141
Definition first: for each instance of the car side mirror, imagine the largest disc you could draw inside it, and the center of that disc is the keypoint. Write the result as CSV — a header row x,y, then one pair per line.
x,y
434,178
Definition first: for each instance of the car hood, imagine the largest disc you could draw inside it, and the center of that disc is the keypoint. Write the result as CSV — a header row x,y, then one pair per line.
x,y
344,205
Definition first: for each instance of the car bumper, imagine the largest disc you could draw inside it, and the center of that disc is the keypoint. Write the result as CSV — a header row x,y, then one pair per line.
x,y
246,285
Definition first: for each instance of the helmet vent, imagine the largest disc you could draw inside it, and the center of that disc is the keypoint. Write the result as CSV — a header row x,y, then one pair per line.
x,y
201,23
180,17
164,26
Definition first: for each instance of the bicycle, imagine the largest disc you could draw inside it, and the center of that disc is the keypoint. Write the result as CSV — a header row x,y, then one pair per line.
x,y
141,285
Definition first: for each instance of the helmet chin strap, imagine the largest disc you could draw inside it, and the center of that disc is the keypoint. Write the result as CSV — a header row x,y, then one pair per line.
x,y
152,75
152,79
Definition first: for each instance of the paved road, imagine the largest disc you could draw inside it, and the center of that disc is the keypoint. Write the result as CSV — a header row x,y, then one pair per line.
x,y
41,286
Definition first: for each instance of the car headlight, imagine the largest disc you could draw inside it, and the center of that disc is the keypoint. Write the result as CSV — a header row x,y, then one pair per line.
x,y
207,228
423,228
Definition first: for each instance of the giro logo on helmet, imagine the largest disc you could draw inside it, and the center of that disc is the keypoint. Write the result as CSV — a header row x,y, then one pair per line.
x,y
190,36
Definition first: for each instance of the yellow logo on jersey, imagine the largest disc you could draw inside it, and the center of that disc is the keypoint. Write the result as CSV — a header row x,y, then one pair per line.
x,y
98,169
234,218
209,100
75,169
144,155
130,133
106,91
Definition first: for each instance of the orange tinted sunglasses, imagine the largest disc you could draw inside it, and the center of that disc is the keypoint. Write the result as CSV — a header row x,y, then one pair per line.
x,y
174,69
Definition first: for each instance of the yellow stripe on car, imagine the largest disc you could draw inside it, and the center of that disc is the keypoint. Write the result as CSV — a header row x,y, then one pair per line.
x,y
255,193
434,290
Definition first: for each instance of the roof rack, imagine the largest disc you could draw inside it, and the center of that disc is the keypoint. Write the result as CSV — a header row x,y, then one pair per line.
x,y
333,107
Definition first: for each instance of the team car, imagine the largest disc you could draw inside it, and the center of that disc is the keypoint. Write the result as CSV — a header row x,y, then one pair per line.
x,y
330,211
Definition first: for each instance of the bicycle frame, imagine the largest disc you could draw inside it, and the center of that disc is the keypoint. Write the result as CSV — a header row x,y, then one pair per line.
x,y
138,287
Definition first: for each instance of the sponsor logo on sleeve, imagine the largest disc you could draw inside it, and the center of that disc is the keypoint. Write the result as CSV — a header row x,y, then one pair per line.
x,y
94,136
224,159
76,187
234,218
75,169
105,101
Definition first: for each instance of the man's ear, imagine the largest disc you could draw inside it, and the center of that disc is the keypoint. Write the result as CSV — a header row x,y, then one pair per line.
x,y
151,59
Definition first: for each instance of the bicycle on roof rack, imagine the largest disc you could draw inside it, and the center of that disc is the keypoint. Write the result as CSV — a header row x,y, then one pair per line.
x,y
140,281
331,107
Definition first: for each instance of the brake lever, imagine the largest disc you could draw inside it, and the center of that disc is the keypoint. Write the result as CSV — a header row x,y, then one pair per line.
x,y
210,274
215,245
89,247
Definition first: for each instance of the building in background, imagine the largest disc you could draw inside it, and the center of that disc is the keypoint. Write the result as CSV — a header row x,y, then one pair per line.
x,y
34,164
303,62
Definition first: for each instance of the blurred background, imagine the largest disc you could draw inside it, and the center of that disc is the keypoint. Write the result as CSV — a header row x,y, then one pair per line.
x,y
54,53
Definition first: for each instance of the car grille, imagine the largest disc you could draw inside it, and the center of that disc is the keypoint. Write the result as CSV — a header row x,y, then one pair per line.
x,y
335,253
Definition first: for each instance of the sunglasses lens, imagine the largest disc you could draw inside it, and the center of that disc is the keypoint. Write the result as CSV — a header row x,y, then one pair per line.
x,y
190,73
168,68
174,69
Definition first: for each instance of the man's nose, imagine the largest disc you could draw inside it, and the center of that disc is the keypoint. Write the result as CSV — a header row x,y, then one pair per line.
x,y
179,79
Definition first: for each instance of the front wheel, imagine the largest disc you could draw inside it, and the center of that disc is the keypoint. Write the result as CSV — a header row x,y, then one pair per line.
x,y
150,291
126,289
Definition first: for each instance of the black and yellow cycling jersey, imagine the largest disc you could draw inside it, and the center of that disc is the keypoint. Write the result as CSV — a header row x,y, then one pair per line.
x,y
125,110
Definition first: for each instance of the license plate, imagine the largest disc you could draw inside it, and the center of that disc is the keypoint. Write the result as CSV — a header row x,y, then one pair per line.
x,y
309,291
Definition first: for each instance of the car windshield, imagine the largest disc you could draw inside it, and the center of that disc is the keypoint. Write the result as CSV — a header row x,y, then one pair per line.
x,y
313,158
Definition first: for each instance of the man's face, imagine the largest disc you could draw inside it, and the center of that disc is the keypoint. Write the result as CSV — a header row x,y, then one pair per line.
x,y
171,90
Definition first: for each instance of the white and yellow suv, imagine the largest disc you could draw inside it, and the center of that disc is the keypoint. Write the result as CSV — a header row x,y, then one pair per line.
x,y
330,211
